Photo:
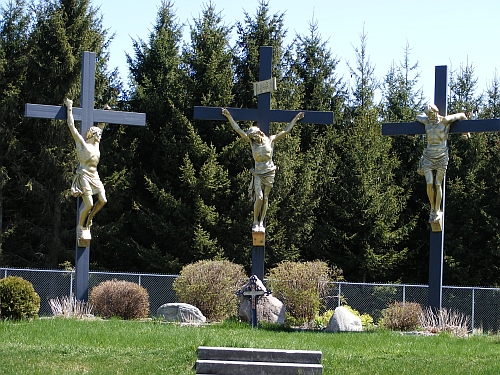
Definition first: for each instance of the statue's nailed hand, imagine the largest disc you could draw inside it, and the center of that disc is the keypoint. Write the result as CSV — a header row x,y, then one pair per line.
x,y
68,103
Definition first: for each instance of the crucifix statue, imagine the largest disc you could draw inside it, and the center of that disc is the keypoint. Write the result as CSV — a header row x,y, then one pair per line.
x,y
262,144
86,182
435,123
264,171
434,160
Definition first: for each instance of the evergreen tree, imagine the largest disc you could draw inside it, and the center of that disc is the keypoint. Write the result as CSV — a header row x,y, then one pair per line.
x,y
471,251
62,30
210,73
14,34
401,101
181,186
260,30
368,202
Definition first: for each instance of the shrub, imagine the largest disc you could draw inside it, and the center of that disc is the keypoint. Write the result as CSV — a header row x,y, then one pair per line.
x,y
444,320
401,316
301,286
121,299
211,286
18,299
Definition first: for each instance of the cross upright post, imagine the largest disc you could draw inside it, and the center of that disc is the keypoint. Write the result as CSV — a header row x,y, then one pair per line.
x,y
436,243
87,116
263,115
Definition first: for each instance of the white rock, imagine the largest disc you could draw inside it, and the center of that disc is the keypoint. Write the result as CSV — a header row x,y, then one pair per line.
x,y
344,321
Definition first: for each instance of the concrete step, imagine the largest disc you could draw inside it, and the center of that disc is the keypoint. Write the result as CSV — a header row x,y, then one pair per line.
x,y
259,355
245,361
261,368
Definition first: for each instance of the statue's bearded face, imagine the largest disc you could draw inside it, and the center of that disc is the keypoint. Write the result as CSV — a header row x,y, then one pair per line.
x,y
255,134
94,132
431,111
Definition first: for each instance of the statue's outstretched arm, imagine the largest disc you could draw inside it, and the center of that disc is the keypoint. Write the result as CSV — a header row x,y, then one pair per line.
x,y
235,126
288,129
71,121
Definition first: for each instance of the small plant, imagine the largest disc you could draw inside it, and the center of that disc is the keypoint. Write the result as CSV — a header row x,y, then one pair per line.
x,y
301,286
121,299
211,286
321,321
445,321
401,316
18,299
69,307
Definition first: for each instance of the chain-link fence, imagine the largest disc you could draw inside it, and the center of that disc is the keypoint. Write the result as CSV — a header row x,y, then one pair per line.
x,y
482,305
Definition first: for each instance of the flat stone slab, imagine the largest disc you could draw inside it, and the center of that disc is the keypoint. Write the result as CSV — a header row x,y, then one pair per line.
x,y
261,368
245,361
259,355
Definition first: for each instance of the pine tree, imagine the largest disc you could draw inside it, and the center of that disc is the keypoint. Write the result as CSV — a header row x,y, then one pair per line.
x,y
14,34
471,252
368,202
401,102
260,30
61,31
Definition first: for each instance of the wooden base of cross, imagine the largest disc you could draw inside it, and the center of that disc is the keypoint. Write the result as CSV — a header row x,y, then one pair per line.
x,y
259,238
437,223
84,237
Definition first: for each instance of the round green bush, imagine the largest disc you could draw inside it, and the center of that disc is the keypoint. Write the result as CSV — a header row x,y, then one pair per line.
x,y
120,299
211,286
18,299
302,286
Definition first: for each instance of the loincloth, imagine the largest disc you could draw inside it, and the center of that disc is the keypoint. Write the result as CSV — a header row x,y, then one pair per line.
x,y
86,183
433,161
265,177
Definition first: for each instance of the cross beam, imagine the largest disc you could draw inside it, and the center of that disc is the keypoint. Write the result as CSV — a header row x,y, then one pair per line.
x,y
263,115
87,115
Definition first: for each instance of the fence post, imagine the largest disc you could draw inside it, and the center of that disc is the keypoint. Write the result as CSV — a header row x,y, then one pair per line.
x,y
71,286
340,293
473,308
140,280
404,294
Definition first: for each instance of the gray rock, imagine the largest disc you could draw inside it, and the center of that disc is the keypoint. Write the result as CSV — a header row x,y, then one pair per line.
x,y
180,312
344,321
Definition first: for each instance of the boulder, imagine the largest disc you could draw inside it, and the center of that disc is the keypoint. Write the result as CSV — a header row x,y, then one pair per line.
x,y
344,321
269,308
180,312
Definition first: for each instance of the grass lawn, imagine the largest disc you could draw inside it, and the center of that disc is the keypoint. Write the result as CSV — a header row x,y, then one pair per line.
x,y
70,346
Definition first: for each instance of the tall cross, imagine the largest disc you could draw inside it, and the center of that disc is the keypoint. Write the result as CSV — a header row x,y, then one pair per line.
x,y
263,115
436,250
87,115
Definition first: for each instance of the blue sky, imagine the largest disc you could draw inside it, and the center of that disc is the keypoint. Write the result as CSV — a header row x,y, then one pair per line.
x,y
439,32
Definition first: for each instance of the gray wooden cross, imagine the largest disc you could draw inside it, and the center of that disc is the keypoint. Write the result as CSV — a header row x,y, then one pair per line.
x,y
263,115
464,126
87,115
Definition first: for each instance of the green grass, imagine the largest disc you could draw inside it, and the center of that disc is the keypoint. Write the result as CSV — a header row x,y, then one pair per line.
x,y
69,346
